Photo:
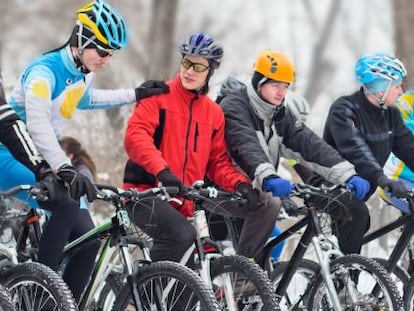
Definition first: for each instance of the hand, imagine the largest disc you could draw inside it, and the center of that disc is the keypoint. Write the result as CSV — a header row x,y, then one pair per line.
x,y
168,179
359,186
252,195
79,184
279,187
150,88
48,183
397,188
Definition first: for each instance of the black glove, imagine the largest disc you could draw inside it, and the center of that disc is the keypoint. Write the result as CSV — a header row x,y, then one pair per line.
x,y
150,88
47,181
289,206
252,195
79,184
168,179
397,188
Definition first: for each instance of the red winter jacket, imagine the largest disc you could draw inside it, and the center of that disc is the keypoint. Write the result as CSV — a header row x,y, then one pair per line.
x,y
181,130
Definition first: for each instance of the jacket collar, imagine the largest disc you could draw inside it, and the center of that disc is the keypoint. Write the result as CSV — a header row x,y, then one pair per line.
x,y
364,102
69,62
187,95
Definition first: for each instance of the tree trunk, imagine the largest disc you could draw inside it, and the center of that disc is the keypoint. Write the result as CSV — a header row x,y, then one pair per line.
x,y
161,38
403,20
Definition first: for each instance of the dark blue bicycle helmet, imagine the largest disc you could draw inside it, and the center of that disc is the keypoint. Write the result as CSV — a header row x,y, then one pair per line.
x,y
202,45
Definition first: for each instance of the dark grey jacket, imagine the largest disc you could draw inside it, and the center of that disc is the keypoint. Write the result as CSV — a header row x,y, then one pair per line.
x,y
257,150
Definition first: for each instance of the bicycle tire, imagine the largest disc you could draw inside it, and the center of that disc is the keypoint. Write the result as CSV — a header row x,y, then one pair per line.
x,y
112,288
251,285
189,284
357,268
34,286
6,303
399,276
299,286
409,295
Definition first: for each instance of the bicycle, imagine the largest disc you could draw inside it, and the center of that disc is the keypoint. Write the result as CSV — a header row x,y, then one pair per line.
x,y
404,243
149,285
20,231
33,286
335,283
237,282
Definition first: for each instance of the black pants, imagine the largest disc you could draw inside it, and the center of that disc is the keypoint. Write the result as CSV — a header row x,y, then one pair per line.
x,y
67,223
350,219
173,234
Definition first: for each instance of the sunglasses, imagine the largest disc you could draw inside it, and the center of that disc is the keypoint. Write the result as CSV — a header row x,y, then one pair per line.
x,y
103,52
196,66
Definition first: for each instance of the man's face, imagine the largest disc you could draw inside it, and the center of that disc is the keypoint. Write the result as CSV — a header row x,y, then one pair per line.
x,y
274,92
393,93
190,78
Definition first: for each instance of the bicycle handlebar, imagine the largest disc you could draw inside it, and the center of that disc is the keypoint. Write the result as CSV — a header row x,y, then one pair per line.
x,y
108,192
302,190
197,193
35,192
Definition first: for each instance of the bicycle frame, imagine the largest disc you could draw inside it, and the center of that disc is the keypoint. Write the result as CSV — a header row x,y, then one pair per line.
x,y
107,231
204,260
312,235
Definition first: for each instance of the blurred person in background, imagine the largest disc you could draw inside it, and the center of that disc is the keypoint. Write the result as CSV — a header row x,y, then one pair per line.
x,y
395,168
81,161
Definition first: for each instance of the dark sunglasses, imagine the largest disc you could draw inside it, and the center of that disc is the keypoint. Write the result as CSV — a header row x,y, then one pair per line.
x,y
196,66
103,52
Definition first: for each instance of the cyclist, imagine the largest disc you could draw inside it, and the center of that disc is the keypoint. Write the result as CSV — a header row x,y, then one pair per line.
x,y
259,130
48,92
365,127
394,168
177,139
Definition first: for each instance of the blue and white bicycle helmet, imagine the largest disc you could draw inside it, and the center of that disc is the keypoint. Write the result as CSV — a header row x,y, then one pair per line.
x,y
100,22
379,71
202,45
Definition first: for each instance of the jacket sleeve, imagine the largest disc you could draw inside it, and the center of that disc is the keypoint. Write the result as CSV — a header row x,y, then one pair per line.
x,y
139,141
302,144
245,143
349,141
14,135
220,168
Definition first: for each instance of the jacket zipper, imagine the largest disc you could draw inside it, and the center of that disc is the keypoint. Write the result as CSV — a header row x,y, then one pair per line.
x,y
195,137
187,136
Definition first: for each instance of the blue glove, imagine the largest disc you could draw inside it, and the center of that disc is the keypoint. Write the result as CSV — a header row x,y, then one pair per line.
x,y
359,186
279,187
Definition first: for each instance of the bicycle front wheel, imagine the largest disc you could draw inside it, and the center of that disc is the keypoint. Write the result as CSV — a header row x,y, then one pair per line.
x,y
34,286
166,286
360,283
297,293
242,283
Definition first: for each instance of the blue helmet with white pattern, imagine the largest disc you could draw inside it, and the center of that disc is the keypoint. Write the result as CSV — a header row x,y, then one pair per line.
x,y
98,21
379,71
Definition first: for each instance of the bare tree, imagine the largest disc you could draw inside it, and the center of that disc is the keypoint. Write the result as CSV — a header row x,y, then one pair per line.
x,y
403,19
161,37
317,63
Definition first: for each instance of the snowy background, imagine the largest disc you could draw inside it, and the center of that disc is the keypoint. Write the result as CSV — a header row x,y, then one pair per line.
x,y
324,38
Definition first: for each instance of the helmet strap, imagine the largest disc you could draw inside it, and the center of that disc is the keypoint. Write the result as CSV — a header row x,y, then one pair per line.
x,y
81,47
